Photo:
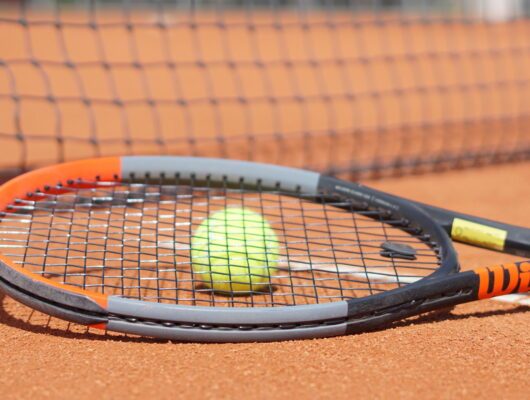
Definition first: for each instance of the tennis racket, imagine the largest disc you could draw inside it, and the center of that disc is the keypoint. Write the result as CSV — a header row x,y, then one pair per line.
x,y
106,243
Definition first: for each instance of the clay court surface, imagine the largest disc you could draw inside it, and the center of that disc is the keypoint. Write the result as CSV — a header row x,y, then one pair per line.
x,y
476,350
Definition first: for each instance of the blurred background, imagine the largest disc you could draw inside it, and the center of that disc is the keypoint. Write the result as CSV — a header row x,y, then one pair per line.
x,y
358,88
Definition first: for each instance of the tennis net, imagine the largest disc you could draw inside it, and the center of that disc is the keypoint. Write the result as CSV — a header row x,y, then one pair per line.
x,y
356,88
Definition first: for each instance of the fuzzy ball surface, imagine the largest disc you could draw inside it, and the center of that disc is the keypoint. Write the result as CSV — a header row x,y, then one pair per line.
x,y
235,251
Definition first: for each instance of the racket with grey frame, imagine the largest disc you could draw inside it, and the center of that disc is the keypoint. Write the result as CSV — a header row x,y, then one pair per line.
x,y
108,243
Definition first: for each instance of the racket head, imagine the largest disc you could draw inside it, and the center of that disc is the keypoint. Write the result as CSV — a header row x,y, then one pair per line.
x,y
106,242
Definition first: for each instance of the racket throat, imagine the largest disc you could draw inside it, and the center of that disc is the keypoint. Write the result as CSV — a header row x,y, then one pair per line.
x,y
375,312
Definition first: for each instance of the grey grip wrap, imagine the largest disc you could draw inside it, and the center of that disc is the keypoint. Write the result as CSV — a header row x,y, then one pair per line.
x,y
268,176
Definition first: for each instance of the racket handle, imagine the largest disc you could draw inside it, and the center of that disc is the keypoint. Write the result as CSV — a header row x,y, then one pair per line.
x,y
499,280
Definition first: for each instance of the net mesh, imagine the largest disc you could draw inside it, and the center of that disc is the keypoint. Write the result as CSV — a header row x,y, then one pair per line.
x,y
140,241
353,87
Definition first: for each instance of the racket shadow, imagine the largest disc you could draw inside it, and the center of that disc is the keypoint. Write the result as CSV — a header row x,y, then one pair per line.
x,y
443,315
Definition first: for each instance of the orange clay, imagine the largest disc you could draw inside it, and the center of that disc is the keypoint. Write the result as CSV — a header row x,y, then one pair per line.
x,y
99,298
104,168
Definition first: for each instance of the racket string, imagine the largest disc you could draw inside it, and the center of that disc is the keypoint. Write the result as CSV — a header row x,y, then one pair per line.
x,y
134,240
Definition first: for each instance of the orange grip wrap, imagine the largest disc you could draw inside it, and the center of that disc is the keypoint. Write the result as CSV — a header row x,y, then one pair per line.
x,y
503,279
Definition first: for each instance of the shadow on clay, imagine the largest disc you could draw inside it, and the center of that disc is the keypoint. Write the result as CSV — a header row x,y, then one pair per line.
x,y
448,315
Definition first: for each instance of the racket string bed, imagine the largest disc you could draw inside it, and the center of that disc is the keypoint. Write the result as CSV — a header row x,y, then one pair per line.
x,y
134,240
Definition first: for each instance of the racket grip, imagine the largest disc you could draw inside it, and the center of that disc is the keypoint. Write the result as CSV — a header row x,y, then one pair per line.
x,y
499,280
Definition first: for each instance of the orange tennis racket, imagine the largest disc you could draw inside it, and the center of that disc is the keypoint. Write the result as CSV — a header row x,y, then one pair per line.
x,y
107,243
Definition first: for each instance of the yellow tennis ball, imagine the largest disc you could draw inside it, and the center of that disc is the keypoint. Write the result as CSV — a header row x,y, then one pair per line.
x,y
234,250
